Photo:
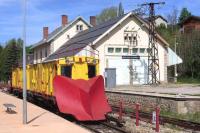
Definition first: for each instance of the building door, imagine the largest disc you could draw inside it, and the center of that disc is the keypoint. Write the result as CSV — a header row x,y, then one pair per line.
x,y
110,77
91,71
122,70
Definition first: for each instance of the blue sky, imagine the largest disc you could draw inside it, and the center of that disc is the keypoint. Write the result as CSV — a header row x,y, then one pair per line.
x,y
48,13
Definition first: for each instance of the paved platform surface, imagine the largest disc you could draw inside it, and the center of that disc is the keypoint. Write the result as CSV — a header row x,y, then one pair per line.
x,y
39,120
185,89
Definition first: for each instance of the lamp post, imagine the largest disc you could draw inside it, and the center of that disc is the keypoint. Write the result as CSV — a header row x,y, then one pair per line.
x,y
175,66
24,64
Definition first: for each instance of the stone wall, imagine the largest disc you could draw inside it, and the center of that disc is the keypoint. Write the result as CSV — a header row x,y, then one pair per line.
x,y
149,103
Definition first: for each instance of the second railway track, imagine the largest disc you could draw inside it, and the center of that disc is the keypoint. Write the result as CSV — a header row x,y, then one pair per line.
x,y
144,116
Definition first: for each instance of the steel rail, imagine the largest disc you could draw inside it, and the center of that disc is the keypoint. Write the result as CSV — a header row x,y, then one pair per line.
x,y
144,116
97,127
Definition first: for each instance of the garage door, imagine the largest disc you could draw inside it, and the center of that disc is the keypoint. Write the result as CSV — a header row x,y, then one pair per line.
x,y
140,71
122,70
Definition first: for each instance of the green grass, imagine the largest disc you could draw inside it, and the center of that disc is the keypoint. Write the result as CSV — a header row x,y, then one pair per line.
x,y
195,95
194,117
188,80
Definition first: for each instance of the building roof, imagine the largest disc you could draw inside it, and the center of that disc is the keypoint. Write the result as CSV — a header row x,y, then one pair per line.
x,y
82,39
92,36
58,31
190,18
156,17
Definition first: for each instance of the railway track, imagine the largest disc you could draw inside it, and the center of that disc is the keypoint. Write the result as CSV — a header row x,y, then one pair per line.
x,y
106,126
163,119
103,127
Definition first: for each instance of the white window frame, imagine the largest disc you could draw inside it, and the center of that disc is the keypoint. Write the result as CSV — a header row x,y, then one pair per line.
x,y
110,52
136,52
125,52
142,49
79,27
115,51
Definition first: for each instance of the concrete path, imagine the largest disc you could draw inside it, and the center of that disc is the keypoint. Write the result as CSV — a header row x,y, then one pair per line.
x,y
162,89
39,120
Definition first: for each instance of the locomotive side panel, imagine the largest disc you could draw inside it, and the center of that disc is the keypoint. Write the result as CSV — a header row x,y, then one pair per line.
x,y
40,76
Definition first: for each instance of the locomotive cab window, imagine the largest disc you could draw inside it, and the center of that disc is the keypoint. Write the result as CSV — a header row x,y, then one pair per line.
x,y
91,71
66,71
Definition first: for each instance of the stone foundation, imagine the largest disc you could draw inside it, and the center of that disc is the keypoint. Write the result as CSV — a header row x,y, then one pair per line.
x,y
149,102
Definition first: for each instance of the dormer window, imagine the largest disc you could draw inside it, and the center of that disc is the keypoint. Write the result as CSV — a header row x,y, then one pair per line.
x,y
79,28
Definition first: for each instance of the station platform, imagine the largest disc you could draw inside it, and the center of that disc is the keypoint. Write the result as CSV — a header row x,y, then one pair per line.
x,y
39,120
181,99
163,89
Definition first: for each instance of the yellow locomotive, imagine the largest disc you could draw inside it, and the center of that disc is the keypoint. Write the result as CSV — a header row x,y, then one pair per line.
x,y
40,76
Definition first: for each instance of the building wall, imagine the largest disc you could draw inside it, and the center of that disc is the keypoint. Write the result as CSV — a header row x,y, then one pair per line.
x,y
116,39
38,58
191,25
59,41
160,21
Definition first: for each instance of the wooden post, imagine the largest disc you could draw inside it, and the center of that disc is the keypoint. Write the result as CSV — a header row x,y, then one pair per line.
x,y
120,110
157,119
137,113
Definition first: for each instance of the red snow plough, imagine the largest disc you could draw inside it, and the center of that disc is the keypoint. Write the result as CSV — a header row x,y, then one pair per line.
x,y
84,99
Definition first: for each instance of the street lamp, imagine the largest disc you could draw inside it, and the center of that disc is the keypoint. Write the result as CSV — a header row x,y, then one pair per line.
x,y
24,64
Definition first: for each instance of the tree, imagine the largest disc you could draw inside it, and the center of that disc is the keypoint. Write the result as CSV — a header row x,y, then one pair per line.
x,y
1,60
10,57
172,18
1,48
107,14
188,49
29,50
184,14
19,44
120,10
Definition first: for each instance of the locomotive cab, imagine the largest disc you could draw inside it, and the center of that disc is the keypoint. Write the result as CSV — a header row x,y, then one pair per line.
x,y
66,80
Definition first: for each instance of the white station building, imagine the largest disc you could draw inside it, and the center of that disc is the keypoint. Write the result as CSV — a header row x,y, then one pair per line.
x,y
123,36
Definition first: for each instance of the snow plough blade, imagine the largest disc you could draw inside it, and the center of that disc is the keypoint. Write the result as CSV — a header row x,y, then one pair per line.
x,y
84,99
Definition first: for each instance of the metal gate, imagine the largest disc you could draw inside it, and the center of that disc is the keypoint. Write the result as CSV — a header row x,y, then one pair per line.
x,y
110,77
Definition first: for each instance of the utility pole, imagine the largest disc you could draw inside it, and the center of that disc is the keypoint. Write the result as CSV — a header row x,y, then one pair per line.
x,y
24,64
175,66
175,50
153,59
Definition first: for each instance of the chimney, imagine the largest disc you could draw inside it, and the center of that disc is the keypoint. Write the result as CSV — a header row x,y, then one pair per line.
x,y
45,32
64,20
93,20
